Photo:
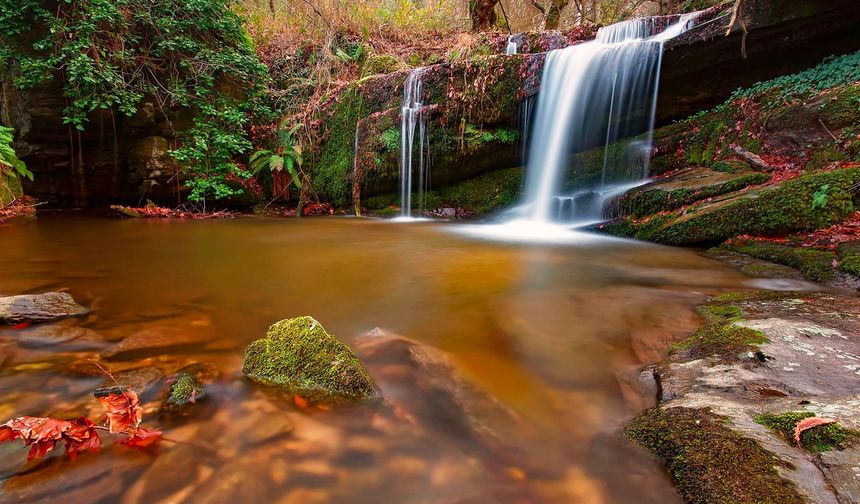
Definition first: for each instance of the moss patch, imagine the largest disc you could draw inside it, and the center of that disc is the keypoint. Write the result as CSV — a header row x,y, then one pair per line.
x,y
771,210
816,265
817,439
708,461
726,340
299,356
185,390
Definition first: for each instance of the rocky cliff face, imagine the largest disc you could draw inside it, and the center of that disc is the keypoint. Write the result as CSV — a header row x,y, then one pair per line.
x,y
474,106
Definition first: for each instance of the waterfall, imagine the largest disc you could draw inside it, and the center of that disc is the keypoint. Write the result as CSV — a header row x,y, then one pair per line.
x,y
512,46
412,119
598,93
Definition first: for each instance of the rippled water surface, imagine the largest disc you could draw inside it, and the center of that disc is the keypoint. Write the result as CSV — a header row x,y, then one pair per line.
x,y
534,353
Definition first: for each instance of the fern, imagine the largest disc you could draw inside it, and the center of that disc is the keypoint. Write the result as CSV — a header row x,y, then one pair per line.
x,y
286,156
8,158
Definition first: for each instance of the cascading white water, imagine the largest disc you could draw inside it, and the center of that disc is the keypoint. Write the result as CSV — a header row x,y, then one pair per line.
x,y
412,118
596,93
512,46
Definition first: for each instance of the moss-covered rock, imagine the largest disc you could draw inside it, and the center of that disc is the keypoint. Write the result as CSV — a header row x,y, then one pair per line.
x,y
184,391
708,461
813,264
300,357
380,64
769,210
683,188
10,187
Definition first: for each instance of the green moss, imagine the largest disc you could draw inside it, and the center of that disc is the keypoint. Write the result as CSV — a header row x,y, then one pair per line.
x,y
816,265
487,193
299,356
726,340
817,439
380,64
709,462
391,139
10,187
772,210
720,312
651,201
850,265
330,177
184,390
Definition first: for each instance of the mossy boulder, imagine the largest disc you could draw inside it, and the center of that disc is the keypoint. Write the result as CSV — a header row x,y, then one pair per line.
x,y
813,264
299,357
185,391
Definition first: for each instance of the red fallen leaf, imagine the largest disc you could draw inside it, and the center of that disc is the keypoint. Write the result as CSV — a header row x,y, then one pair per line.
x,y
123,408
43,434
808,423
22,325
301,402
80,437
141,438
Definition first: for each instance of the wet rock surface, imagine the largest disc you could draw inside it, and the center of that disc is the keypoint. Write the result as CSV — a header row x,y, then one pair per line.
x,y
39,307
810,362
155,341
300,357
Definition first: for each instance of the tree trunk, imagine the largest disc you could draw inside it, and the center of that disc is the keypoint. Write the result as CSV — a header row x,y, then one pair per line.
x,y
483,14
553,13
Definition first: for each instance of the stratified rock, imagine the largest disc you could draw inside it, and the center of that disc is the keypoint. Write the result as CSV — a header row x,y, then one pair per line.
x,y
300,357
39,307
155,341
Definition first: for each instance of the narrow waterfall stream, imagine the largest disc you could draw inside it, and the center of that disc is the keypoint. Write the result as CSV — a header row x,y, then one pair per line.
x,y
413,122
601,92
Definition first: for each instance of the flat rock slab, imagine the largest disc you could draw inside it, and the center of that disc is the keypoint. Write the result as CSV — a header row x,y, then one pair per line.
x,y
811,363
39,307
57,337
155,341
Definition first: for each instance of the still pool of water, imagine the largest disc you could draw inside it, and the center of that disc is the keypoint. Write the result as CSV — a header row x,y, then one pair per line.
x,y
540,346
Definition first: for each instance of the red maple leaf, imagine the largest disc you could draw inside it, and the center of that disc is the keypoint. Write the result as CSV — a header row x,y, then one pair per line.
x,y
81,436
123,408
43,434
141,438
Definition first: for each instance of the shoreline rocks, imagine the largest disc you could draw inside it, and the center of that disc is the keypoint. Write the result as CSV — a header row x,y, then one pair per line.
x,y
43,307
761,356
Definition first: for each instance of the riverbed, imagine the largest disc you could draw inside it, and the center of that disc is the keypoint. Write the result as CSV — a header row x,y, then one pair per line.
x,y
547,337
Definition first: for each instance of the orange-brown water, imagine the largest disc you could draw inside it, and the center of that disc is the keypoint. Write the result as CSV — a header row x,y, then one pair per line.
x,y
549,336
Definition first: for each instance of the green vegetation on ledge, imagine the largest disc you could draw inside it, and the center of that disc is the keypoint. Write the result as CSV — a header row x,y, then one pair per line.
x,y
817,439
708,461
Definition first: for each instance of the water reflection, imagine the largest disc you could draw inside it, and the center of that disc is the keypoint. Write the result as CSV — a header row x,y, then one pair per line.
x,y
531,349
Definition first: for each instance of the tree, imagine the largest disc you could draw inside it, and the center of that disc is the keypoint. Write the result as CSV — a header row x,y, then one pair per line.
x,y
551,10
483,14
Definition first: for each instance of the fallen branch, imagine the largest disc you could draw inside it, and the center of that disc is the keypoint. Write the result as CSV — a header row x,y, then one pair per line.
x,y
753,159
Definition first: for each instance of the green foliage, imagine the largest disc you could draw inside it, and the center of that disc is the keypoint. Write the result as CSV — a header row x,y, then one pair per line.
x,y
114,54
726,340
814,264
8,159
833,71
819,199
287,155
391,139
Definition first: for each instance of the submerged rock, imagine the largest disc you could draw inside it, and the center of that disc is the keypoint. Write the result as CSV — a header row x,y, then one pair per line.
x,y
154,341
184,391
58,337
39,307
300,357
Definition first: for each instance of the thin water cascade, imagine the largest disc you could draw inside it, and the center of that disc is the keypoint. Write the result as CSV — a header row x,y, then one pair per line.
x,y
512,48
600,93
413,121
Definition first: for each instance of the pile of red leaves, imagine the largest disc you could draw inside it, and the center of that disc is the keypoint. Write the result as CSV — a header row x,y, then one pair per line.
x,y
157,212
16,209
123,416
